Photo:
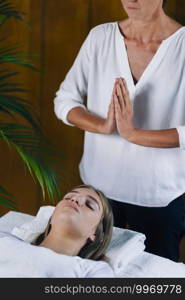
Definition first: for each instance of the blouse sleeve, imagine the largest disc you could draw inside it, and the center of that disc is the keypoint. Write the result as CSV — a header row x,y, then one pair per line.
x,y
181,132
73,89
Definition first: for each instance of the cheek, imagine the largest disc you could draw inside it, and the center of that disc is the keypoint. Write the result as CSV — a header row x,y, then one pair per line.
x,y
59,207
57,212
93,219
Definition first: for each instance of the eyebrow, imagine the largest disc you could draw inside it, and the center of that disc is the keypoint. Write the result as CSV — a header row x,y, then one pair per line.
x,y
89,196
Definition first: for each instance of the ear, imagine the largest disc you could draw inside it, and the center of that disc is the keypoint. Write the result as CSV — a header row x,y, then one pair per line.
x,y
92,237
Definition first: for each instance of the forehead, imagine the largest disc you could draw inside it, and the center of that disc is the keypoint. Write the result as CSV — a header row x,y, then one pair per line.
x,y
87,191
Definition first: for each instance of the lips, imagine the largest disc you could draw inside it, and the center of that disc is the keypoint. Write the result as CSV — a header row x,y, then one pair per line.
x,y
74,206
134,8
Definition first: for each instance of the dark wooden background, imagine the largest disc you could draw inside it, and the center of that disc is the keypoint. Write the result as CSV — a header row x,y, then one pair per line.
x,y
58,28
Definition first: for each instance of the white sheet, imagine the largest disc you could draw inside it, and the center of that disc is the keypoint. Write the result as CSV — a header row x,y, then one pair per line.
x,y
148,265
19,259
142,264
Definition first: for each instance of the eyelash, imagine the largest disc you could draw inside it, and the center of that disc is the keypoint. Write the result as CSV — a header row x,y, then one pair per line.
x,y
89,206
87,203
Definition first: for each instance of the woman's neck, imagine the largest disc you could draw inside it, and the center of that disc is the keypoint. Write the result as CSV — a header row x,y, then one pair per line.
x,y
62,244
153,30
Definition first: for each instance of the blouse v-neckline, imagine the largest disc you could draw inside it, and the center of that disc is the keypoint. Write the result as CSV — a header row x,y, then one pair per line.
x,y
153,64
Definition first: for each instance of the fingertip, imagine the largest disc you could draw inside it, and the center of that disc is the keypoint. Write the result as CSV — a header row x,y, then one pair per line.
x,y
124,81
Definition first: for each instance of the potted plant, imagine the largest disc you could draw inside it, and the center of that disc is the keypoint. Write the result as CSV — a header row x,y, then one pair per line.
x,y
26,138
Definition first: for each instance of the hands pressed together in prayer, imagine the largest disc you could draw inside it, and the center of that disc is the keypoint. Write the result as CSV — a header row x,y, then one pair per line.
x,y
120,113
120,118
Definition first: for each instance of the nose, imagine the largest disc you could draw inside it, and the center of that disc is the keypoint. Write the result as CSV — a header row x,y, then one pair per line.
x,y
80,200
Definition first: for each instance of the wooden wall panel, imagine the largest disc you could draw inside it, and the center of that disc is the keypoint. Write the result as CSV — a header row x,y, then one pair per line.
x,y
66,25
108,11
180,10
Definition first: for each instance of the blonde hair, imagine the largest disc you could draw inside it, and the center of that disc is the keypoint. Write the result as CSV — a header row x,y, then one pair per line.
x,y
93,249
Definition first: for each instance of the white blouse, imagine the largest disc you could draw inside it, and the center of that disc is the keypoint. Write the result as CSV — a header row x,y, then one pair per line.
x,y
124,171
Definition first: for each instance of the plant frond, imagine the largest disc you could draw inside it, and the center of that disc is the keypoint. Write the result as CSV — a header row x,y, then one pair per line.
x,y
11,53
5,111
21,107
7,10
6,199
18,60
36,155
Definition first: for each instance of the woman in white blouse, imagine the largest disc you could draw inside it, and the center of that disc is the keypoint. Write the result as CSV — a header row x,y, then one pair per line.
x,y
133,73
73,244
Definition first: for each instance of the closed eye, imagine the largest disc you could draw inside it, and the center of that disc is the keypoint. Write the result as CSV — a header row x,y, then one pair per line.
x,y
67,198
88,203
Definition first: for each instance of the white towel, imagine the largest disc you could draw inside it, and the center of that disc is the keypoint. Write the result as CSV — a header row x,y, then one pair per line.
x,y
124,247
29,231
12,219
149,265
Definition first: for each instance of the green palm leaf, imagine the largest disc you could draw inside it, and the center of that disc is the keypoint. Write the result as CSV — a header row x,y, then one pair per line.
x,y
19,60
9,103
7,10
10,55
18,106
6,199
36,156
